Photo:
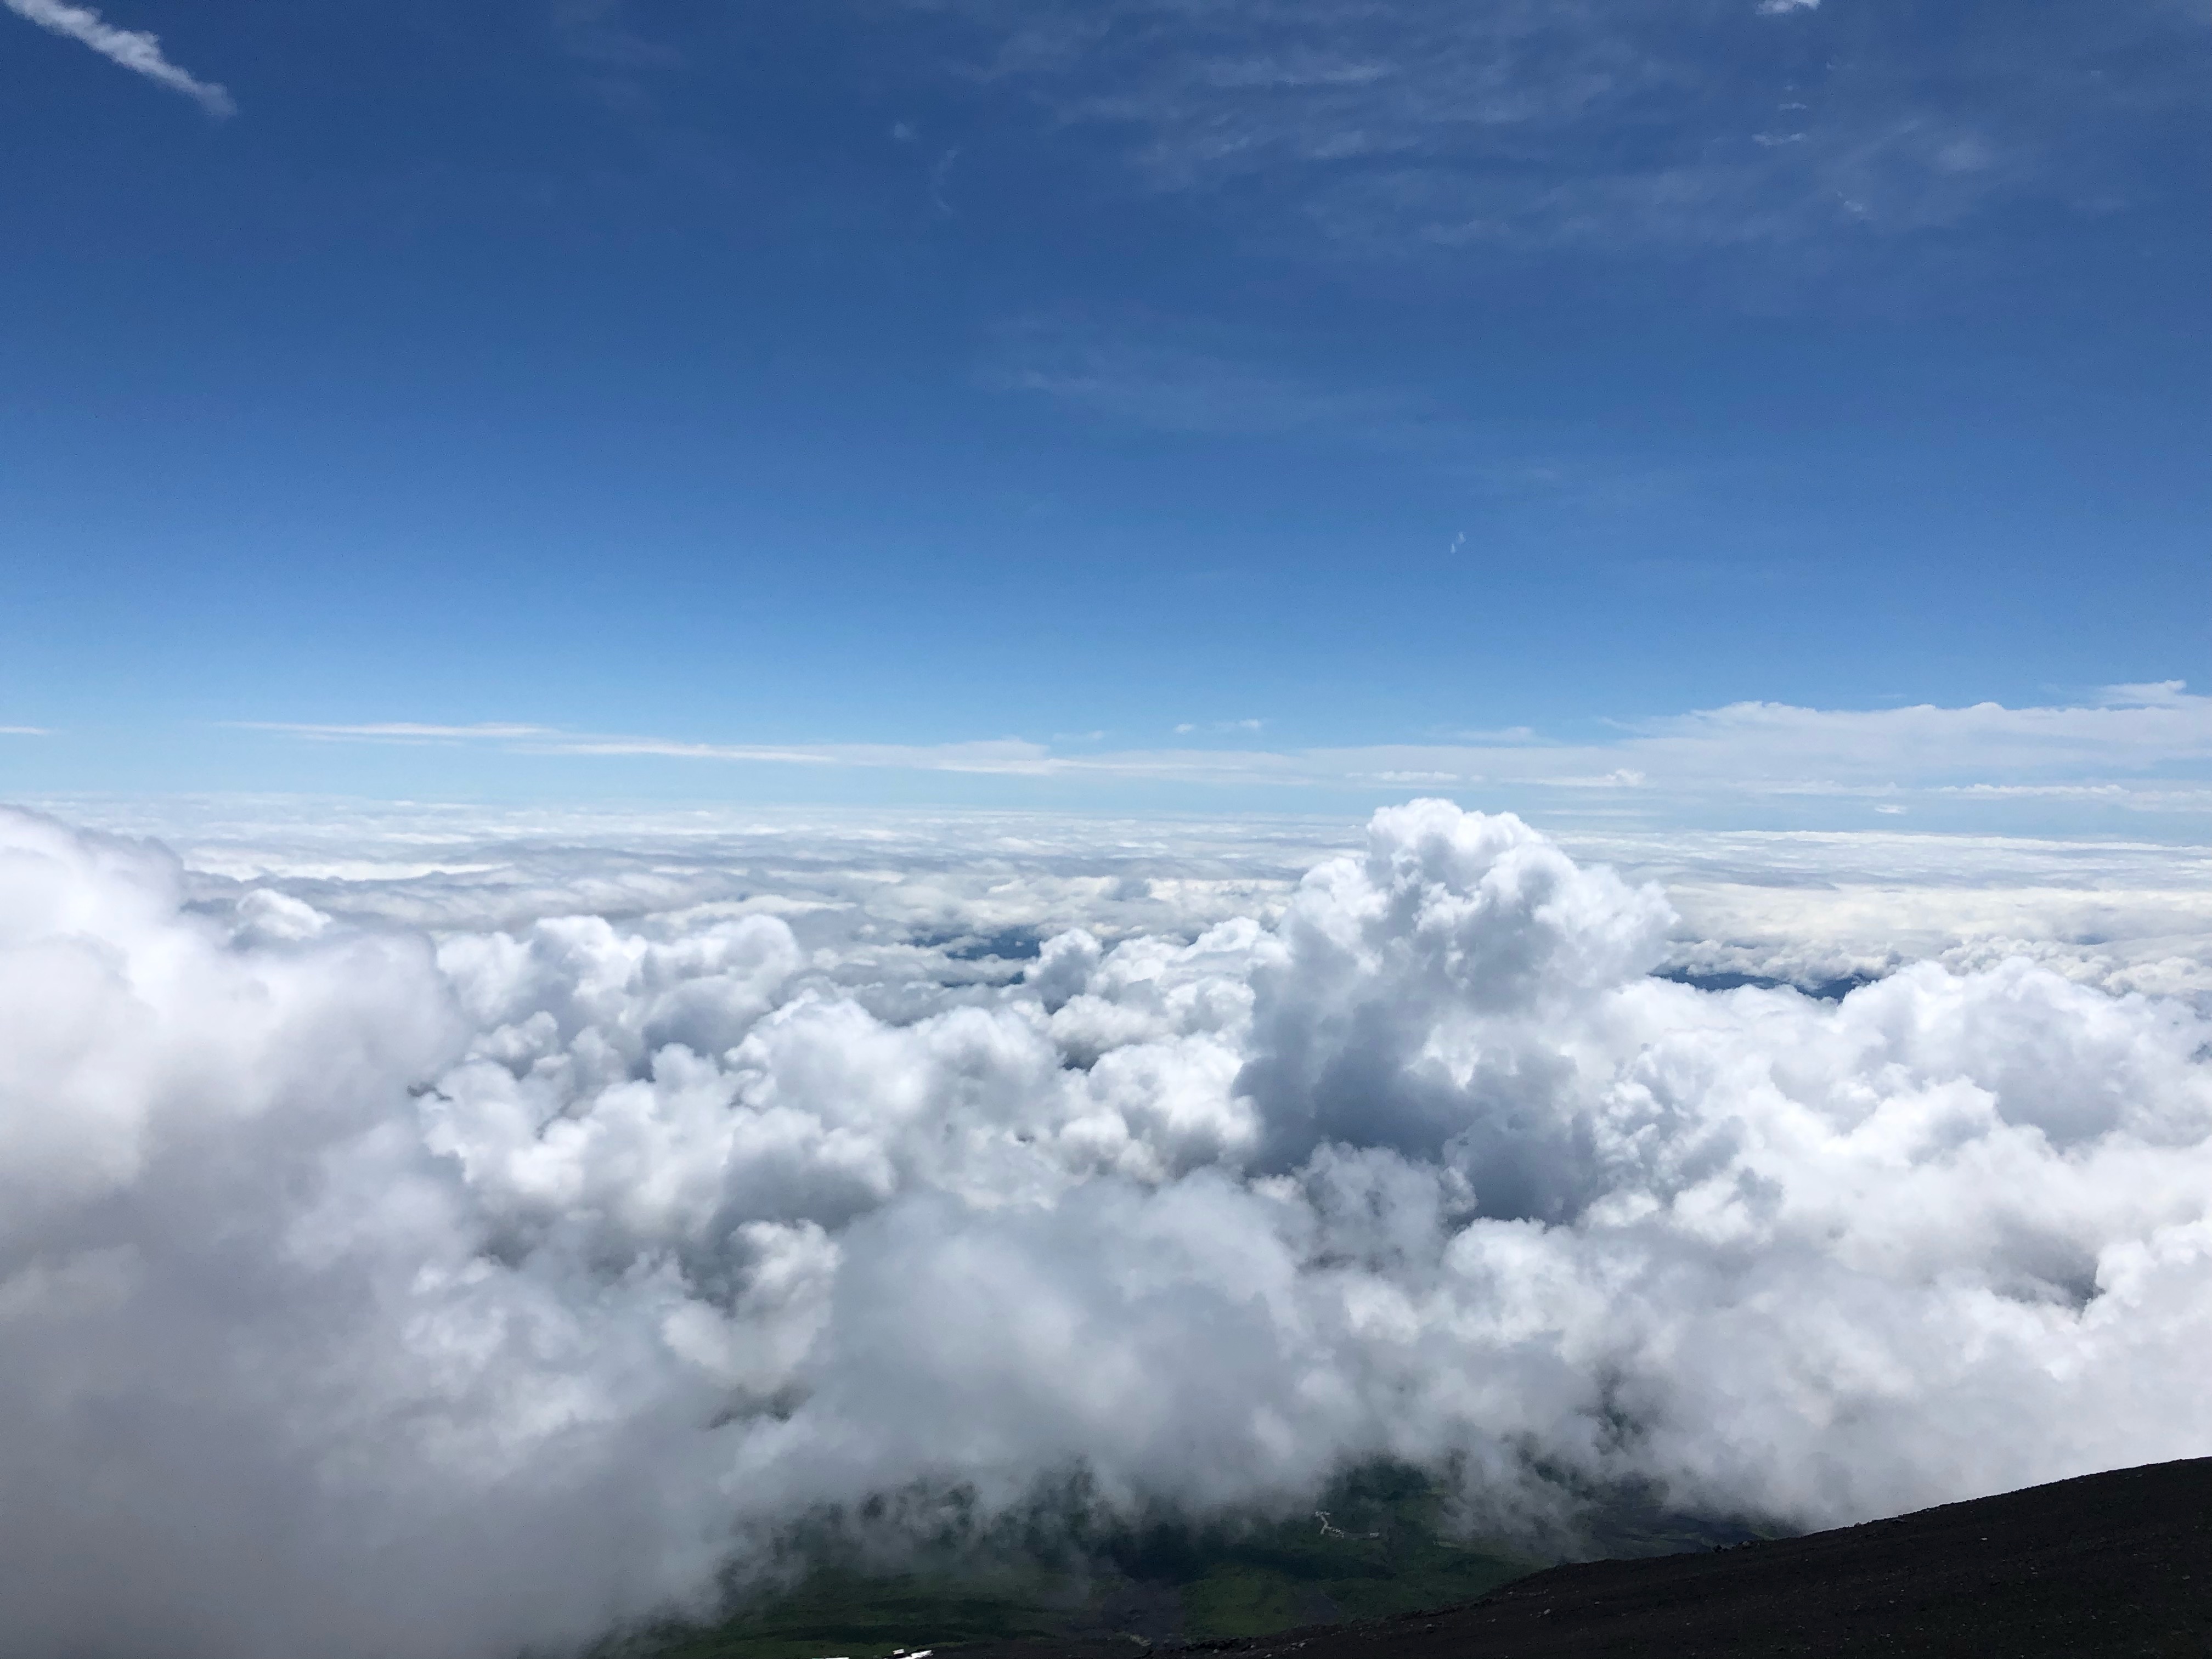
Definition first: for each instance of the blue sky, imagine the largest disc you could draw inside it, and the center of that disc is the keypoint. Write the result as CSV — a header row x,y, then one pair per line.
x,y
419,398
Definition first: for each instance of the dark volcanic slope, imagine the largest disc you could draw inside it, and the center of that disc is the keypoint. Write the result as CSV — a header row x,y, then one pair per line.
x,y
2108,1563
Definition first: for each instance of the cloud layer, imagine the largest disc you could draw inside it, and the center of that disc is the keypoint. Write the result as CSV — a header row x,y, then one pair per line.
x,y
432,1293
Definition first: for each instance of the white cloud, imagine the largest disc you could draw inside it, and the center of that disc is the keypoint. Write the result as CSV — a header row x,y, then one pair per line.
x,y
24,732
2157,693
1002,754
1186,727
2126,749
404,1296
1783,8
136,50
1810,905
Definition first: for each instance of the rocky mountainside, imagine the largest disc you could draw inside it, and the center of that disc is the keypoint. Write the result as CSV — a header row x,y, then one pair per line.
x,y
2118,1564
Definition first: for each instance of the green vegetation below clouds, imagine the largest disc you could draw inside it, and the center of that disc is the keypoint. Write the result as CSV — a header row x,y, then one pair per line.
x,y
1387,1548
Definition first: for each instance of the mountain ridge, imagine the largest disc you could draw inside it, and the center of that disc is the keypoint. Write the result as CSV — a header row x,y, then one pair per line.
x,y
2114,1563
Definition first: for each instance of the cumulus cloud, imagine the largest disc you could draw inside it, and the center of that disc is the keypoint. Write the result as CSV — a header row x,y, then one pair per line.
x,y
905,903
135,50
438,1292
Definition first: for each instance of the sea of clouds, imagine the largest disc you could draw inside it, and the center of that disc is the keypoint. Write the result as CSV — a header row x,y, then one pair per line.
x,y
425,1233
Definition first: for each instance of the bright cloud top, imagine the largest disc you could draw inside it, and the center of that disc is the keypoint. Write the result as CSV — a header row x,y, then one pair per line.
x,y
413,1295
135,50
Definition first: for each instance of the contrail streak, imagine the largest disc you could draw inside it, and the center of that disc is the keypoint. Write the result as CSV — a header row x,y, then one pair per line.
x,y
134,49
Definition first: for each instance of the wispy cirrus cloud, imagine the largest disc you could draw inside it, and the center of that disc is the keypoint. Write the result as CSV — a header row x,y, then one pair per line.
x,y
397,731
1210,383
1722,123
135,50
1137,375
1009,755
